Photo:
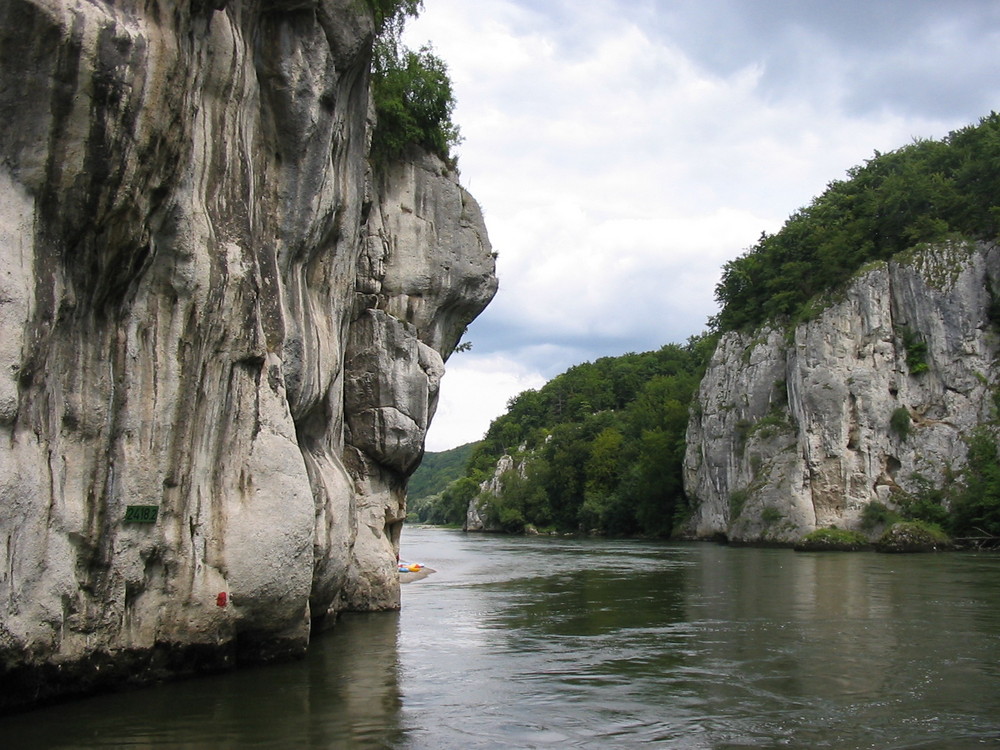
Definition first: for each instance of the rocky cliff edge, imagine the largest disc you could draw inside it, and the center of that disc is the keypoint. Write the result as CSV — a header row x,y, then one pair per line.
x,y
799,429
215,315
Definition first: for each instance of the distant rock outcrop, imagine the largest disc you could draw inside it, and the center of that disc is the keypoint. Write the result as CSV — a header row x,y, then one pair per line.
x,y
801,429
479,517
213,311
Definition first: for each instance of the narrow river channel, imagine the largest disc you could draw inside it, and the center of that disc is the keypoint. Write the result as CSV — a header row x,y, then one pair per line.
x,y
586,643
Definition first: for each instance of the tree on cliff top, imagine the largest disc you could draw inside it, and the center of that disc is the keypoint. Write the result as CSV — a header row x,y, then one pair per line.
x,y
393,12
925,192
413,97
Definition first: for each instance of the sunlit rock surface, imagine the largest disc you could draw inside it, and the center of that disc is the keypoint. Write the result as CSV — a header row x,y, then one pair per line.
x,y
210,305
795,431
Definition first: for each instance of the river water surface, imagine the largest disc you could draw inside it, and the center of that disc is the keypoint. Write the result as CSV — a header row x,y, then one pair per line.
x,y
581,643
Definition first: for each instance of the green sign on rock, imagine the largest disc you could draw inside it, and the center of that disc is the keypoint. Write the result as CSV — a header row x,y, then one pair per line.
x,y
141,513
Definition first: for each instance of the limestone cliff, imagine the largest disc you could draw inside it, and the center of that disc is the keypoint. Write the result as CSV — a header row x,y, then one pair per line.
x,y
478,516
801,429
209,305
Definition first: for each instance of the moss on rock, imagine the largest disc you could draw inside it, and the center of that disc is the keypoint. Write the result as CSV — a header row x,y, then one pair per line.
x,y
832,539
913,536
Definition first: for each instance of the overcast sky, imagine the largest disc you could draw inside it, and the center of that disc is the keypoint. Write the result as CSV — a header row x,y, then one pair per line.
x,y
624,150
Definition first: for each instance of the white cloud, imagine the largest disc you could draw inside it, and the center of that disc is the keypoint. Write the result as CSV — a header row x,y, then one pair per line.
x,y
624,151
475,390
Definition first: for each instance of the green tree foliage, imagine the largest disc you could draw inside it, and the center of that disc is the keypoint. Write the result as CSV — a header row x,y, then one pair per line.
x,y
600,446
437,471
924,192
393,12
521,502
439,492
968,505
976,507
413,96
448,507
916,350
900,422
877,515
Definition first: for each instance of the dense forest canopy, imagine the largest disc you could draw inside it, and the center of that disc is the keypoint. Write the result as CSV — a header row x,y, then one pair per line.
x,y
924,192
598,448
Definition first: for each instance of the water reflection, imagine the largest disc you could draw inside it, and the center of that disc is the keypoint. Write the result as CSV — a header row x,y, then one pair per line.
x,y
354,683
345,694
553,643
608,644
828,648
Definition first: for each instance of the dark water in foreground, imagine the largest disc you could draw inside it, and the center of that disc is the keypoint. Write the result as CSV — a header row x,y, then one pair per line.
x,y
553,643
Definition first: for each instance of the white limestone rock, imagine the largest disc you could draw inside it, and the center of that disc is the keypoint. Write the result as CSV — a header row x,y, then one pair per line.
x,y
187,293
792,430
478,516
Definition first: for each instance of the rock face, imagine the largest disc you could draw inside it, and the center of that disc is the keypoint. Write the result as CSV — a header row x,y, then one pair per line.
x,y
477,516
799,430
209,305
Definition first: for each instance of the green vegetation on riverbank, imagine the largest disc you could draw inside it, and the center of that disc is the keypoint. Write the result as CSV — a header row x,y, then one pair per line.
x,y
913,536
437,471
597,449
600,447
967,506
840,540
435,493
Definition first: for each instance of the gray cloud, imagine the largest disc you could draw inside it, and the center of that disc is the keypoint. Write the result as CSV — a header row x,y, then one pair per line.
x,y
920,57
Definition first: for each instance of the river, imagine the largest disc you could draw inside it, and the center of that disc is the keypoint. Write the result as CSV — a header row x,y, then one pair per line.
x,y
520,642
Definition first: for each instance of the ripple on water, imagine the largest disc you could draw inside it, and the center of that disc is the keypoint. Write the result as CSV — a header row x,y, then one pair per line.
x,y
540,643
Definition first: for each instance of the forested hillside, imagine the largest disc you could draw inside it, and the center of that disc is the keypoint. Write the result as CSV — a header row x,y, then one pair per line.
x,y
924,192
598,448
437,471
429,495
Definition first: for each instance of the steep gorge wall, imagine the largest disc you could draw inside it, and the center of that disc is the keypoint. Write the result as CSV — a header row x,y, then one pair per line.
x,y
793,430
210,305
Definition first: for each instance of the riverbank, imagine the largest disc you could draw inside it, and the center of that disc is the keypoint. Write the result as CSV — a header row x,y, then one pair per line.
x,y
909,537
